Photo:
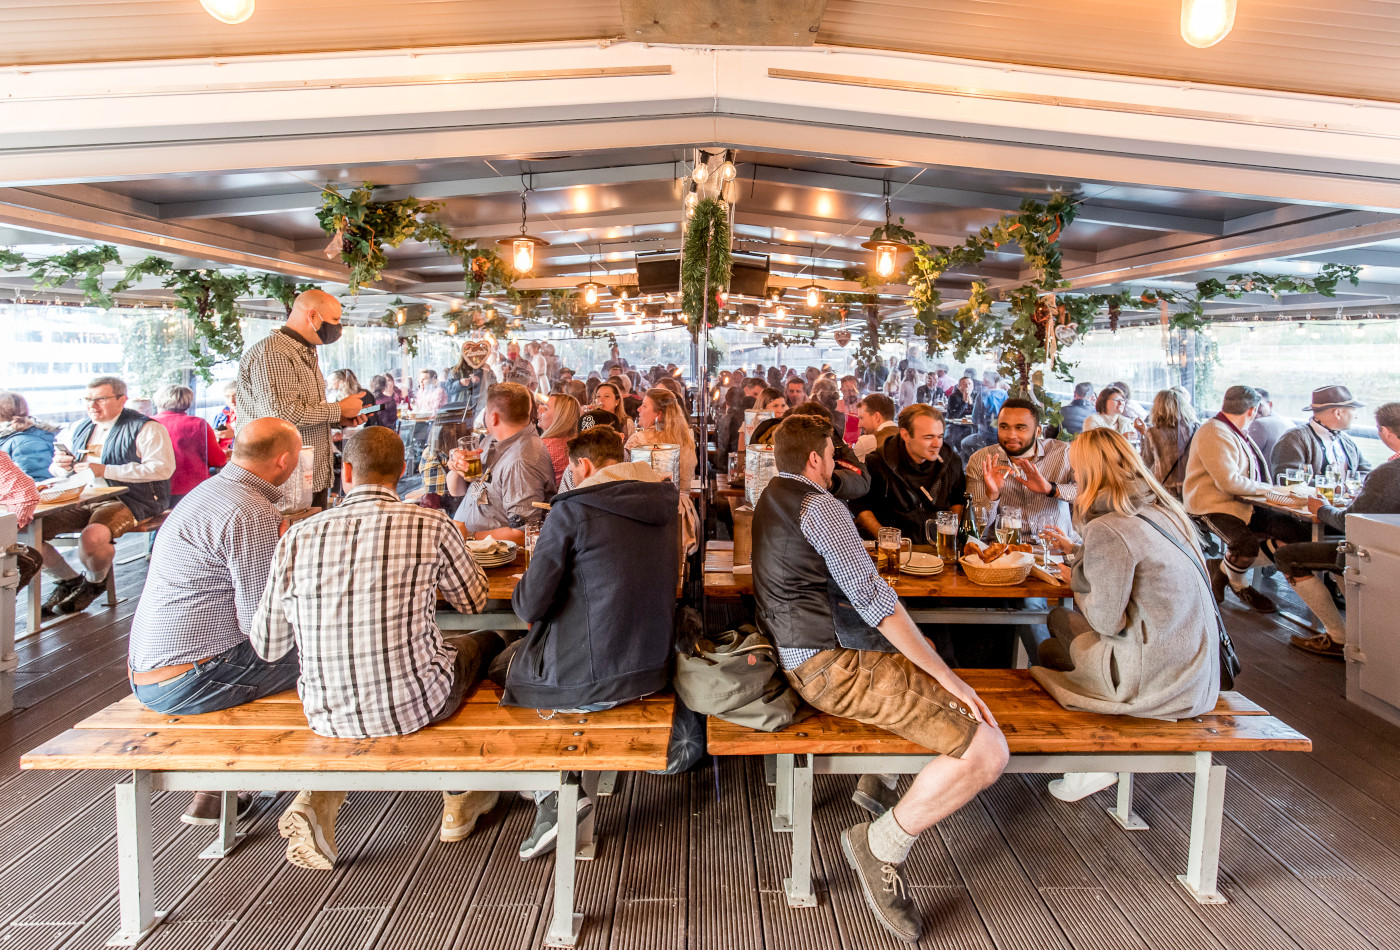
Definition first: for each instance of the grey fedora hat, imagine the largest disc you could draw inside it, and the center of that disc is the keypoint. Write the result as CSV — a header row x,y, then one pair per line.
x,y
1332,397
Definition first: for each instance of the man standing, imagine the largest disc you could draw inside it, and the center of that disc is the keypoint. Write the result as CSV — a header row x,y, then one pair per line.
x,y
876,414
1224,468
189,651
846,662
115,446
373,662
596,598
912,477
1322,442
1081,407
281,376
1023,469
516,470
516,368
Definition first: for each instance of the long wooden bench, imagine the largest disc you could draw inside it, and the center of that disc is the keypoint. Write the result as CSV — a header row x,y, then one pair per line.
x,y
268,745
1044,738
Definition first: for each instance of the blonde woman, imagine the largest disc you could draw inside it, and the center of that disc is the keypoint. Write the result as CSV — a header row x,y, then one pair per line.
x,y
1143,637
1164,444
559,421
663,421
608,397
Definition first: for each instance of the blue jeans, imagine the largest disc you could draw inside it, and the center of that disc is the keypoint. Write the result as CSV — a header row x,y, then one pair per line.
x,y
234,677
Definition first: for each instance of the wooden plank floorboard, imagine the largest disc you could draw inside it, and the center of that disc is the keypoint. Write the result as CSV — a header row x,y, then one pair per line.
x,y
723,901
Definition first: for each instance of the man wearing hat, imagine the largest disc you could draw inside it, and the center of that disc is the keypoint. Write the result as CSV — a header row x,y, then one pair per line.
x,y
1322,442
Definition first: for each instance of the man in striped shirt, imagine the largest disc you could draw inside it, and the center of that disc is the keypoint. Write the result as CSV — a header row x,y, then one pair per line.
x,y
354,591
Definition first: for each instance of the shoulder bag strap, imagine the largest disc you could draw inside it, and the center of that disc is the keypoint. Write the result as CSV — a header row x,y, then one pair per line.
x,y
1229,663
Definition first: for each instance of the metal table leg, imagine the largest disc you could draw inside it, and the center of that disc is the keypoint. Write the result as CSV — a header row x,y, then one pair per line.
x,y
1123,812
798,886
782,793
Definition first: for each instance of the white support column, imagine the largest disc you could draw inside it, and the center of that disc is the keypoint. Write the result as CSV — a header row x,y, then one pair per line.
x,y
134,862
782,793
565,925
798,886
1207,817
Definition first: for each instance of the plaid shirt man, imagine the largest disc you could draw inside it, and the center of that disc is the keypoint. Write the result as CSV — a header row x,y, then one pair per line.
x,y
281,376
355,590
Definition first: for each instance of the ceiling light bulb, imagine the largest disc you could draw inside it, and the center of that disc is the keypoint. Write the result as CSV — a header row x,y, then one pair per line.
x,y
884,260
590,294
617,308
671,298
229,11
814,296
780,311
691,198
452,327
722,297
524,253
762,322
727,171
1206,22
400,316
701,173
637,318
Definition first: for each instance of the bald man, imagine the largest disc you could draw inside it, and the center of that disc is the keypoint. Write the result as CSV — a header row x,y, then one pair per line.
x,y
189,650
280,376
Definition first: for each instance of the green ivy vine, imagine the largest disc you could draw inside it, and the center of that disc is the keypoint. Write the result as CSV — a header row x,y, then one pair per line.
x,y
707,249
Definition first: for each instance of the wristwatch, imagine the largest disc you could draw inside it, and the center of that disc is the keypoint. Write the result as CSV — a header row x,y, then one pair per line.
x,y
1054,490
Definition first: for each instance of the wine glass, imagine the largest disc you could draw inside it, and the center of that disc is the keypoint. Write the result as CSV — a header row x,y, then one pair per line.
x,y
1009,525
1038,525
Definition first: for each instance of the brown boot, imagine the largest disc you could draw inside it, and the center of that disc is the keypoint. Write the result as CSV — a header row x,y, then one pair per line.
x,y
460,810
308,824
1218,580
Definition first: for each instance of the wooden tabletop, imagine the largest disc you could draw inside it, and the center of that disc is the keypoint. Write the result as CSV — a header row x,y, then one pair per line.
x,y
1297,514
721,581
90,494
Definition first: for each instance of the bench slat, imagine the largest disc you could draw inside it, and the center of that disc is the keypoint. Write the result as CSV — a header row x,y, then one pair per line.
x,y
653,712
432,750
1025,735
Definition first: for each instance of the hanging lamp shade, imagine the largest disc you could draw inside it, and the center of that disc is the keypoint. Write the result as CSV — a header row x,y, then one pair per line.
x,y
590,292
814,295
1206,22
229,11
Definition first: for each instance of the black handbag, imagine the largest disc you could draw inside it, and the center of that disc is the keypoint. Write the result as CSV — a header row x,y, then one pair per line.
x,y
1229,660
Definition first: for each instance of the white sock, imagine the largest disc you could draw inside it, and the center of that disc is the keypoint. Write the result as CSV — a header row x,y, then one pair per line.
x,y
889,842
1239,579
92,577
56,563
1315,594
890,781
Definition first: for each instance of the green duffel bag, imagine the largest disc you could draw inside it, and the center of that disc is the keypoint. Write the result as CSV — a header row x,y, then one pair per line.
x,y
736,677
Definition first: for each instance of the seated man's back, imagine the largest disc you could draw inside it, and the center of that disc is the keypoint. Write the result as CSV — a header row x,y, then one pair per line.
x,y
600,590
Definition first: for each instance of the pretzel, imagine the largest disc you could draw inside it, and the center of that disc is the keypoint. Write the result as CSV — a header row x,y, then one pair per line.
x,y
992,552
971,550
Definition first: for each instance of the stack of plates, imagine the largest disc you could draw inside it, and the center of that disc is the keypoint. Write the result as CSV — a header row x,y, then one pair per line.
x,y
923,565
501,554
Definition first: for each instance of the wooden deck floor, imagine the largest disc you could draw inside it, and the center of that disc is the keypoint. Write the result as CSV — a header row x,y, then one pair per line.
x,y
1310,857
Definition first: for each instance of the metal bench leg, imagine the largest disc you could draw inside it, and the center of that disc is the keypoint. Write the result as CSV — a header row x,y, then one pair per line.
x,y
798,886
1123,812
782,794
607,781
587,843
134,871
1207,816
565,925
770,770
111,585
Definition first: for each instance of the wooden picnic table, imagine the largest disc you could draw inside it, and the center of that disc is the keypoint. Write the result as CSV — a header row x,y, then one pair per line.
x,y
722,489
1297,514
33,533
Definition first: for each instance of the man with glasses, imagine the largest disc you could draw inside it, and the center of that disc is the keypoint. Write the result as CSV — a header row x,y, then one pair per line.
x,y
113,446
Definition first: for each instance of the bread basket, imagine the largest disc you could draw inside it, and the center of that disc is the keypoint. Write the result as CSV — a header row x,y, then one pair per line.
x,y
979,573
1285,497
59,495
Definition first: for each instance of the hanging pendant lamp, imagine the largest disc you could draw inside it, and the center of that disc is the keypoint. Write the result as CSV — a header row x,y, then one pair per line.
x,y
522,246
886,251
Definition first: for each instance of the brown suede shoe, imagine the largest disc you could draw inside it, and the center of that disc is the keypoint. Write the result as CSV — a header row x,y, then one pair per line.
x,y
308,824
460,810
1320,644
882,884
1256,599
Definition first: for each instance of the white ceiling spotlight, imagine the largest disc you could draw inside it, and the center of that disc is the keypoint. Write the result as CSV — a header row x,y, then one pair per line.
x,y
229,11
1206,22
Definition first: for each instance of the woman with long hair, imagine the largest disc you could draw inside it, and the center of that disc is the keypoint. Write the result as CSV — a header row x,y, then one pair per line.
x,y
662,420
466,384
559,419
1165,442
343,383
608,397
1143,637
383,391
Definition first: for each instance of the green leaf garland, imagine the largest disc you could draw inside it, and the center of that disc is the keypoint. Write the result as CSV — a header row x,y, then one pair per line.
x,y
707,242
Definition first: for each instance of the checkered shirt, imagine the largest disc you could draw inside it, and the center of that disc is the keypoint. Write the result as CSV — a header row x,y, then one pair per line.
x,y
281,376
827,525
354,589
208,570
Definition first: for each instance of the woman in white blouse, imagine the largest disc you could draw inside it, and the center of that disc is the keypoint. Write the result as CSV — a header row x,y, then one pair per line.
x,y
1109,414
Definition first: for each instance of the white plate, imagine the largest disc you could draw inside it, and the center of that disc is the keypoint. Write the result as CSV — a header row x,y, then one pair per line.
x,y
921,561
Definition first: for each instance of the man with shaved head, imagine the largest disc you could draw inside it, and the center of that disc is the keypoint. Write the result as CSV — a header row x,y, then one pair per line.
x,y
280,376
189,651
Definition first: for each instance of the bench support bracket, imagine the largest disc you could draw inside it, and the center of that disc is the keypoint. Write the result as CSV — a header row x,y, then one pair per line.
x,y
798,887
134,862
1207,818
1123,813
782,793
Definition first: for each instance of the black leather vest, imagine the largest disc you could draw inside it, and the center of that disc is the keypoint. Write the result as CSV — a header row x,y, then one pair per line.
x,y
799,604
145,499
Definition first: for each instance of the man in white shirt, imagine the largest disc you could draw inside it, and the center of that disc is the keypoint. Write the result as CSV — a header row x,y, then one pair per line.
x,y
113,446
876,414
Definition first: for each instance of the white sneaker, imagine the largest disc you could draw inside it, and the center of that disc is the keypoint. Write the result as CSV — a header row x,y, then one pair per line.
x,y
1077,785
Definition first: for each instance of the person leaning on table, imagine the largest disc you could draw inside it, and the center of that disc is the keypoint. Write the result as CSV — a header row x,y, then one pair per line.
x,y
850,649
363,623
189,651
1142,639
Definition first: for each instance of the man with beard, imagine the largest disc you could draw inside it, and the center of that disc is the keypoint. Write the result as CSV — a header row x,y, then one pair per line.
x,y
1023,469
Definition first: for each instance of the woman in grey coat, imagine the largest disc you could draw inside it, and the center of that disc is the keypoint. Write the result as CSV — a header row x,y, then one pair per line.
x,y
1143,638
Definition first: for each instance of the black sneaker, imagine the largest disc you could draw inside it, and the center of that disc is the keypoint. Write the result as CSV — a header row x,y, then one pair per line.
x,y
81,598
883,885
543,836
1256,599
874,795
62,590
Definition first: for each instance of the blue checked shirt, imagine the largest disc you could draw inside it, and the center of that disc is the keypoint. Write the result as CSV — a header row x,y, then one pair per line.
x,y
827,525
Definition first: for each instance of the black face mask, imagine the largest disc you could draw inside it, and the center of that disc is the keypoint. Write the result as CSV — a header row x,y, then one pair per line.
x,y
329,332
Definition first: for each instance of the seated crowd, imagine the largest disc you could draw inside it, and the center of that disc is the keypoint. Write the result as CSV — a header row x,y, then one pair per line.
x,y
343,605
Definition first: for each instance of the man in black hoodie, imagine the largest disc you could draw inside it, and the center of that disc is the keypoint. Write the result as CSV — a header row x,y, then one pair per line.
x,y
912,477
599,596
